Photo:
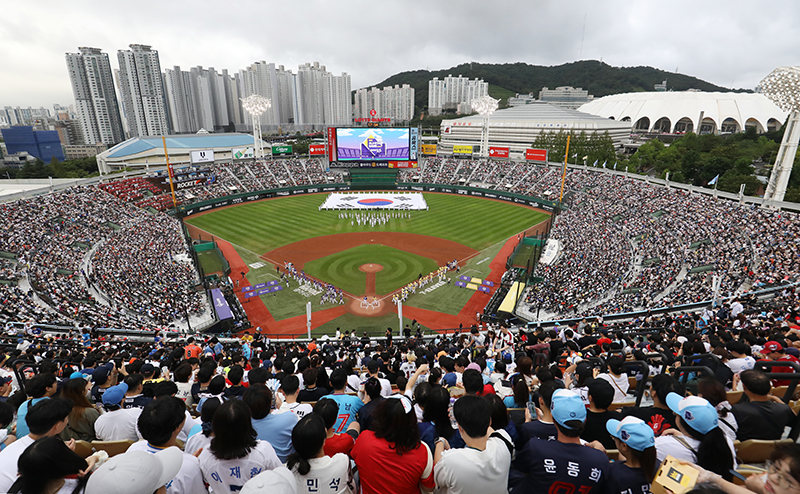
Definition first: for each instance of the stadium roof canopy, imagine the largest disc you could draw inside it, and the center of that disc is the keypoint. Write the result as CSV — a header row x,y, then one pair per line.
x,y
517,127
681,111
145,151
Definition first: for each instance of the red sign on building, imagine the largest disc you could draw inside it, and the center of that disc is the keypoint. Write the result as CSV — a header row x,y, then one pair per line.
x,y
316,149
498,152
332,143
536,154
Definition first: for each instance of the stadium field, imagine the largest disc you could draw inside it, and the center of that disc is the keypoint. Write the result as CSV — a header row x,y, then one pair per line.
x,y
336,250
266,225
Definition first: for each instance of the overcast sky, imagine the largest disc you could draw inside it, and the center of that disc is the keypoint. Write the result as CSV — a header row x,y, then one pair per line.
x,y
729,43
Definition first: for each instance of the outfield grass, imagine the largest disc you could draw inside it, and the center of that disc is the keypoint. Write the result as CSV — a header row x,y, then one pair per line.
x,y
399,268
266,225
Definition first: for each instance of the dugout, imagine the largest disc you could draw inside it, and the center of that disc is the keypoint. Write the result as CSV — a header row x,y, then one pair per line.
x,y
372,178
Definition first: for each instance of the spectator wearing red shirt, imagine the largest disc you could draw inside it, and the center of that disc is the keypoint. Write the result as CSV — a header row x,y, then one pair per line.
x,y
336,443
392,460
774,351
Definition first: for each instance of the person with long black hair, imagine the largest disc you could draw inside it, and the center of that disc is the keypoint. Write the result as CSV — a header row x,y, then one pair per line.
x,y
391,459
49,466
309,464
700,440
636,442
436,417
235,455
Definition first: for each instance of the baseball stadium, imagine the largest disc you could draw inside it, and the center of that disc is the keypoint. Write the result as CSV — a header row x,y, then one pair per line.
x,y
290,245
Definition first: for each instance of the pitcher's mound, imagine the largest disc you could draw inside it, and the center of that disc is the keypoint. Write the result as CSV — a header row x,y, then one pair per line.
x,y
370,268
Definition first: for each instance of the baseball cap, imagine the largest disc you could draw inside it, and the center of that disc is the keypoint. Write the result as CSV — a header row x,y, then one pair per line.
x,y
115,394
135,472
632,431
773,346
474,366
77,375
147,369
694,411
100,376
5,380
276,480
566,406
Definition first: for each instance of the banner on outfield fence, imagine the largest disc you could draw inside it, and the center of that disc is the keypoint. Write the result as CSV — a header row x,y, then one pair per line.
x,y
462,149
316,149
536,155
375,200
495,152
243,153
282,149
205,156
428,148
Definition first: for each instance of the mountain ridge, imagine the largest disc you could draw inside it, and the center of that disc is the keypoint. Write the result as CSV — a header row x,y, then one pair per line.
x,y
599,78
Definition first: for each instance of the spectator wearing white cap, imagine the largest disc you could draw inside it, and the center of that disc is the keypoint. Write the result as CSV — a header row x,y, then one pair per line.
x,y
635,441
700,439
564,463
136,472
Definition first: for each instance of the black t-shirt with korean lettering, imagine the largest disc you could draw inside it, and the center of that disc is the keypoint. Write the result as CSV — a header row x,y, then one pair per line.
x,y
536,429
554,467
623,479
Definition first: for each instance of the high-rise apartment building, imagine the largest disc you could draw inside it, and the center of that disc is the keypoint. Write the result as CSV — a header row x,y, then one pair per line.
x,y
95,99
142,91
395,102
454,93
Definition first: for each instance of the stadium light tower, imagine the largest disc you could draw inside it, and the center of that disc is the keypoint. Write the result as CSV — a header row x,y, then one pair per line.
x,y
782,86
485,106
256,105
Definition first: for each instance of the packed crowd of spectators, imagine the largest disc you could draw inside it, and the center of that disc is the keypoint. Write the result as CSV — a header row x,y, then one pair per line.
x,y
628,245
469,412
57,239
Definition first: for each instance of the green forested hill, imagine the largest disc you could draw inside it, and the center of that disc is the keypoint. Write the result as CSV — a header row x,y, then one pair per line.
x,y
598,78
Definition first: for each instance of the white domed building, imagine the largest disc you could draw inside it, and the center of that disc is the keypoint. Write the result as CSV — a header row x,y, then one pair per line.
x,y
684,111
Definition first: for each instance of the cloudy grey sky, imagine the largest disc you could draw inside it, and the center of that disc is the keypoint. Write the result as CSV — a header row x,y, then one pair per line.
x,y
731,42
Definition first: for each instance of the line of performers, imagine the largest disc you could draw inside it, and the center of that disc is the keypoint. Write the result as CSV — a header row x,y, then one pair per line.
x,y
403,294
330,294
373,219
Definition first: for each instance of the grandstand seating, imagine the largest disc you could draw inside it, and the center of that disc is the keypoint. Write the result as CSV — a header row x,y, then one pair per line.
x,y
625,244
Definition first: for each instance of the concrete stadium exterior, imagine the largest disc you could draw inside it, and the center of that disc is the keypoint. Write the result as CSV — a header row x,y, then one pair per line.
x,y
144,152
682,111
517,127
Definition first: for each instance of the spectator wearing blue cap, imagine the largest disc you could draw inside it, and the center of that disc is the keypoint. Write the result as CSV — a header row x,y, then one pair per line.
x,y
700,439
117,423
635,441
565,464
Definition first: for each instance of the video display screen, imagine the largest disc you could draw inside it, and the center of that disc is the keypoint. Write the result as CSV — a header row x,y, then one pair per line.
x,y
376,144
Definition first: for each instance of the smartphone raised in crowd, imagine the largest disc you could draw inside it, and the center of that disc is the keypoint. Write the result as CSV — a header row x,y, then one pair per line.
x,y
532,410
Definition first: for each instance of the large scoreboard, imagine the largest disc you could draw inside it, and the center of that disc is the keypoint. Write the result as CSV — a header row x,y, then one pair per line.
x,y
363,147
